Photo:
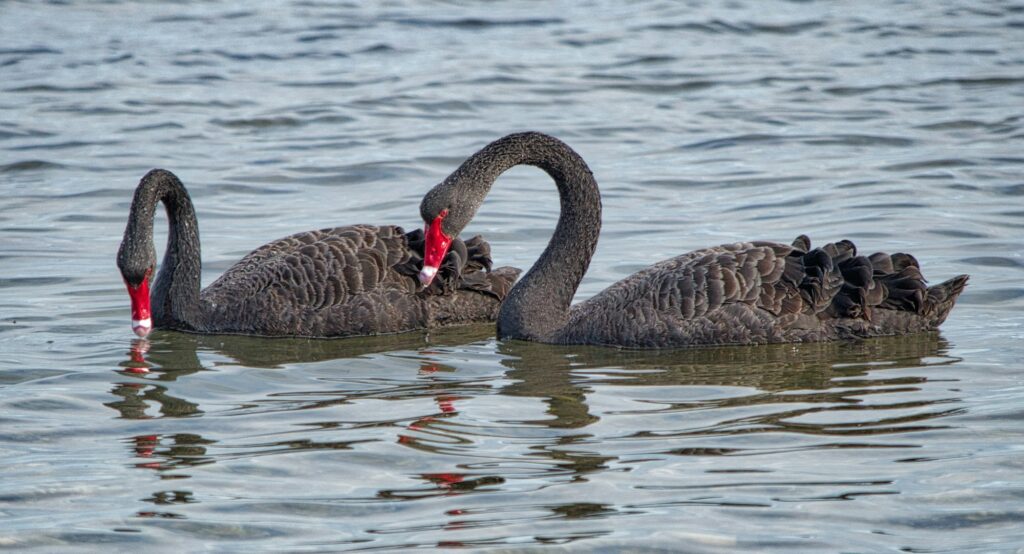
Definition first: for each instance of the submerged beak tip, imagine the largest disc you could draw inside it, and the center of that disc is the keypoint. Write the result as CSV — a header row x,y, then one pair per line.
x,y
142,327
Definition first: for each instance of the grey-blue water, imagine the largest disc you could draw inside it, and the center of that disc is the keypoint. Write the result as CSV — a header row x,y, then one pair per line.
x,y
897,124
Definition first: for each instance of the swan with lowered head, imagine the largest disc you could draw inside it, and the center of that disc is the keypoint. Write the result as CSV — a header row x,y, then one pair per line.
x,y
754,292
345,281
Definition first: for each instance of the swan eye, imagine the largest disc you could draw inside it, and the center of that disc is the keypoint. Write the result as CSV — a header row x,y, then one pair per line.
x,y
444,213
136,280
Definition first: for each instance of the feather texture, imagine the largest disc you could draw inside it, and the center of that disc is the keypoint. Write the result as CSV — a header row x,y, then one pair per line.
x,y
763,292
344,281
743,293
352,281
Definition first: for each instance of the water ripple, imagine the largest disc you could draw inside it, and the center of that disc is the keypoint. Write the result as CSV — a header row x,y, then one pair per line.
x,y
473,23
96,87
29,165
828,140
718,26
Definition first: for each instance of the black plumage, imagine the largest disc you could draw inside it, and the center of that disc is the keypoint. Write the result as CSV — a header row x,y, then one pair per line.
x,y
344,281
744,293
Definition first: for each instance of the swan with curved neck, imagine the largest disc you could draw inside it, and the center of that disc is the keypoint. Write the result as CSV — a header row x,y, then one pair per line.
x,y
745,293
344,281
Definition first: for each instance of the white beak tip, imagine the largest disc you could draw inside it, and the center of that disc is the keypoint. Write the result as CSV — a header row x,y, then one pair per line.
x,y
427,275
142,327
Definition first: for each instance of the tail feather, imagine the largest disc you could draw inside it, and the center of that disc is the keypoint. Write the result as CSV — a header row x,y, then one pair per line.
x,y
940,299
906,289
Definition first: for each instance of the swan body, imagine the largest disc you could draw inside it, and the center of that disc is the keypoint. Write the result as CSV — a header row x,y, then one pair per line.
x,y
345,281
755,292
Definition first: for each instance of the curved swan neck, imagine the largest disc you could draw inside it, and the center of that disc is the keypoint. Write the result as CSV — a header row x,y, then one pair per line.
x,y
175,294
538,306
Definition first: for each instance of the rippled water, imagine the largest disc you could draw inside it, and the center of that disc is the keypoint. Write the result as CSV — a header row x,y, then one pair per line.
x,y
895,124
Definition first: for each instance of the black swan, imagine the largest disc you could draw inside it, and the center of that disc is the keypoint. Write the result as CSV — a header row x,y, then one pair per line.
x,y
745,293
346,281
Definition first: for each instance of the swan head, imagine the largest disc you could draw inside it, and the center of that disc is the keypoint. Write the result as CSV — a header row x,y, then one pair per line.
x,y
137,263
435,248
449,207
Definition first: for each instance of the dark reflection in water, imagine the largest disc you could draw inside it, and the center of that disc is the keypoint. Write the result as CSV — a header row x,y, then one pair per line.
x,y
175,353
136,395
756,391
171,356
777,371
477,436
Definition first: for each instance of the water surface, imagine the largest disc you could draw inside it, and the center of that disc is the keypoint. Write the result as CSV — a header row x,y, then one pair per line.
x,y
896,125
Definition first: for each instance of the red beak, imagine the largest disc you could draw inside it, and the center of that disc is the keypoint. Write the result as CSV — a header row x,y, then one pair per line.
x,y
142,324
434,250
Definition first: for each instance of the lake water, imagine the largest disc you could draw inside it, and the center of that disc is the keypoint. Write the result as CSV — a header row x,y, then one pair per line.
x,y
899,125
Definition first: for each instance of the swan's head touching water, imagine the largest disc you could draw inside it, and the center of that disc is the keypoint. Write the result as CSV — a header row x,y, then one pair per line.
x,y
137,261
137,257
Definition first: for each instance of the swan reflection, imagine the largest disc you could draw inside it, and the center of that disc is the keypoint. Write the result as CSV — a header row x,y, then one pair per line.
x,y
458,413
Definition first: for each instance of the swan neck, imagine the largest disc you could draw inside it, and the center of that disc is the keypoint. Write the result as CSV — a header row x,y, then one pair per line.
x,y
537,308
175,293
